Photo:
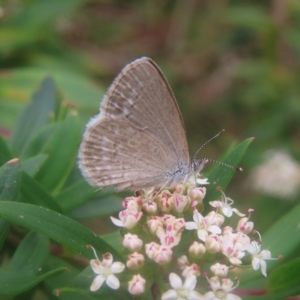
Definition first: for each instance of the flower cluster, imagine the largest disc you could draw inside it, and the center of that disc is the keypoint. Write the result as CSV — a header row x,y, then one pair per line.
x,y
168,241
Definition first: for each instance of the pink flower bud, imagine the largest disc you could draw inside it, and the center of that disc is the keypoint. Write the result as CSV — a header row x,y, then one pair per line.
x,y
166,201
182,262
197,250
132,242
180,203
212,243
137,285
179,189
135,261
219,270
154,223
135,202
163,255
150,207
197,193
244,226
192,269
151,249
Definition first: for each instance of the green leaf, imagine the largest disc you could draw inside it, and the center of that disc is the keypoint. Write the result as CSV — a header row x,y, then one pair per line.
x,y
286,278
34,116
76,194
62,279
5,154
33,192
221,175
33,164
280,240
10,182
106,206
14,283
56,226
31,254
62,149
40,139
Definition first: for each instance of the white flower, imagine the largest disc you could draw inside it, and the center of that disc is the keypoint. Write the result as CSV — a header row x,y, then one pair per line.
x,y
128,218
258,258
204,225
233,246
182,291
225,206
221,291
105,270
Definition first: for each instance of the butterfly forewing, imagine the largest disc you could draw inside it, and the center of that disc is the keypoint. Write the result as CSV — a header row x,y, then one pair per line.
x,y
138,139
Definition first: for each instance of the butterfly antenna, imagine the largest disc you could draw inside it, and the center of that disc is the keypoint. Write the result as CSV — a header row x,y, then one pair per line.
x,y
209,141
205,160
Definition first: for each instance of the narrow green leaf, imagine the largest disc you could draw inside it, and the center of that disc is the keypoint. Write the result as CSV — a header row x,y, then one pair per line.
x,y
62,149
286,277
100,208
39,140
10,182
33,192
56,226
31,254
53,283
34,116
14,283
221,175
76,194
5,154
280,240
33,164
79,193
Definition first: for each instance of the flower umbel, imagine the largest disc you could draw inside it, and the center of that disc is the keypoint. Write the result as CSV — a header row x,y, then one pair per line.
x,y
153,227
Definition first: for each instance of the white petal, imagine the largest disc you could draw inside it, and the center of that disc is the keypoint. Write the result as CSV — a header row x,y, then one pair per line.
x,y
117,267
216,204
227,211
215,229
202,235
175,281
238,213
96,266
235,260
202,181
195,296
169,295
263,267
190,282
255,263
113,282
265,254
97,283
190,225
232,297
210,296
117,222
